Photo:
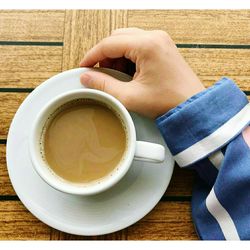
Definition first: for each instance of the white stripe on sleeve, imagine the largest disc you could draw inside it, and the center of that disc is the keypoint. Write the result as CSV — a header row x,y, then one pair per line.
x,y
216,158
222,216
215,140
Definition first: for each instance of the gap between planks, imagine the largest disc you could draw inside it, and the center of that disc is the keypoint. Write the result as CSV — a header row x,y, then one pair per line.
x,y
180,45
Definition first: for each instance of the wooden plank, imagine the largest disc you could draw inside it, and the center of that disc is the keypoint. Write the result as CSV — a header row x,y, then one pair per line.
x,y
196,26
32,25
212,64
16,223
9,103
84,28
181,183
5,184
28,66
119,19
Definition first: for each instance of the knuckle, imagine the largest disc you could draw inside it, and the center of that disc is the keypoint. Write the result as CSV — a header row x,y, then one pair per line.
x,y
155,41
162,33
163,37
147,46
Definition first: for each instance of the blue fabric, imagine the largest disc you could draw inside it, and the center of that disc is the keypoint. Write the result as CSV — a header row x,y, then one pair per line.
x,y
206,171
194,120
191,121
233,185
206,226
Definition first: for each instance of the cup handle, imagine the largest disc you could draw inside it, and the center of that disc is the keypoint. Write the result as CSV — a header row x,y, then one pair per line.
x,y
150,152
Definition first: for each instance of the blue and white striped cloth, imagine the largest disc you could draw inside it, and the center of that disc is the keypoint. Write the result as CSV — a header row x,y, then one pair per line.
x,y
205,133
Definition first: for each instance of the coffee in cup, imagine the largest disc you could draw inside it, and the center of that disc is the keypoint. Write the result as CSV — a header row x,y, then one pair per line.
x,y
83,140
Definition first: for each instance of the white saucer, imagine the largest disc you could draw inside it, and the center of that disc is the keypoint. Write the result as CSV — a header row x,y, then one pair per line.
x,y
119,207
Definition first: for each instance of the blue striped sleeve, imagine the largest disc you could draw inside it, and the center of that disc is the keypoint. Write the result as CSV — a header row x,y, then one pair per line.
x,y
205,122
205,133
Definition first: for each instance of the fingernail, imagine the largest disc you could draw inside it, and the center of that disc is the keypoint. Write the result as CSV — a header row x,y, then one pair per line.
x,y
85,79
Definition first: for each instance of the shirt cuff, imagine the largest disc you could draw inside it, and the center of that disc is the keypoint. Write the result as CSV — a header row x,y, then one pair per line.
x,y
205,122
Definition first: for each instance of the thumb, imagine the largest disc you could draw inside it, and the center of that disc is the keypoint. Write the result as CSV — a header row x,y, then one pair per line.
x,y
101,81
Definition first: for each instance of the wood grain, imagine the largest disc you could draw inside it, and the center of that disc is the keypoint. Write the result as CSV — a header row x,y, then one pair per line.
x,y
119,19
32,25
28,66
83,29
168,220
17,223
181,183
22,66
196,26
5,184
9,103
212,64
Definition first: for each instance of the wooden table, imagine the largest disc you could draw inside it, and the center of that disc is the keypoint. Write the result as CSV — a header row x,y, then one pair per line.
x,y
35,45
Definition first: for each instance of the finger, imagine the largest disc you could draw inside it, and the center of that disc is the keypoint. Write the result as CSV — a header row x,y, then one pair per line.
x,y
101,81
110,47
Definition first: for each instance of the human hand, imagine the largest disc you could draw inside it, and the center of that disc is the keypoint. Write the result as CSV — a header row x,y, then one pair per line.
x,y
162,78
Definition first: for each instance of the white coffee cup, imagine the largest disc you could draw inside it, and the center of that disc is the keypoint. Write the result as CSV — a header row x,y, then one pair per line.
x,y
139,150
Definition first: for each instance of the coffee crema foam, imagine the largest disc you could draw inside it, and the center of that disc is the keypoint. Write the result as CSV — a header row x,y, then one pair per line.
x,y
84,141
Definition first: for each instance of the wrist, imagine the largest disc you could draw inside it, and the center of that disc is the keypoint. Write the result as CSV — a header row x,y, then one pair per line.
x,y
173,99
